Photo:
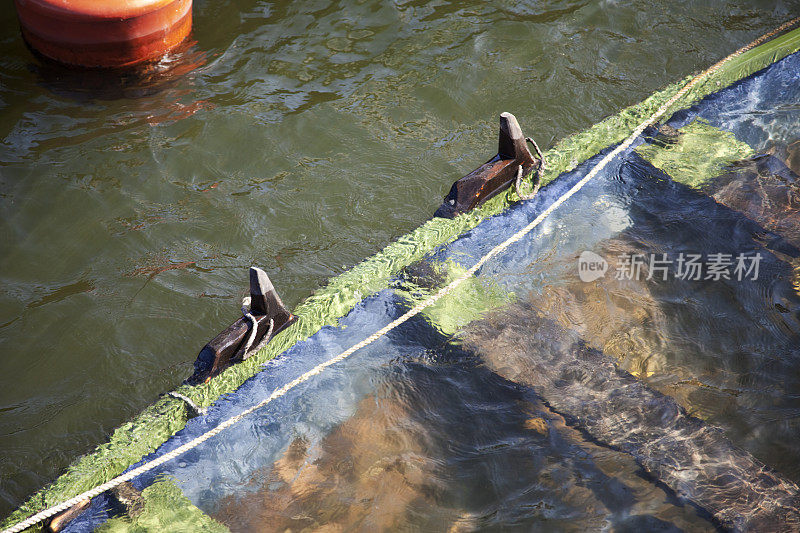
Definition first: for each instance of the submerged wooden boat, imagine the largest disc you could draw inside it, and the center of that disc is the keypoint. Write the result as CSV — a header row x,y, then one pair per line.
x,y
551,361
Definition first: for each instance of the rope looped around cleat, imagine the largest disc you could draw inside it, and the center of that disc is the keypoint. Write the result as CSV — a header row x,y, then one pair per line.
x,y
539,174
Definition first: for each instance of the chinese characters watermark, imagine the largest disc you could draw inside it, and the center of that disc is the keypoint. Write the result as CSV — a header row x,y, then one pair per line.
x,y
681,266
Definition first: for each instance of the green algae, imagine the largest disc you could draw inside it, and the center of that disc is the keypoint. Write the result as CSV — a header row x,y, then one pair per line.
x,y
701,153
467,302
165,508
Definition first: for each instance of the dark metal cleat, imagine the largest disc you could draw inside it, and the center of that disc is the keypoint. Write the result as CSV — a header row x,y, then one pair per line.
x,y
227,348
494,176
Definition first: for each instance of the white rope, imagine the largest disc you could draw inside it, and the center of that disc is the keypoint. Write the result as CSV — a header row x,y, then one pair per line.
x,y
264,340
188,401
254,329
150,465
253,325
537,181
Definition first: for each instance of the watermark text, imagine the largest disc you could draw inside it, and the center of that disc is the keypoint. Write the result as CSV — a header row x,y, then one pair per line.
x,y
680,266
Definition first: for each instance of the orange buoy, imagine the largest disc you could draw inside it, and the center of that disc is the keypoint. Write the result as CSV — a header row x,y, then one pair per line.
x,y
104,33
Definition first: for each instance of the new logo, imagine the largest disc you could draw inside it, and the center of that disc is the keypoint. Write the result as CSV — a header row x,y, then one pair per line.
x,y
591,266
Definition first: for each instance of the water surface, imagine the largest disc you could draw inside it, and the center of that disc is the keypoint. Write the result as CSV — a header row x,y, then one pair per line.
x,y
312,134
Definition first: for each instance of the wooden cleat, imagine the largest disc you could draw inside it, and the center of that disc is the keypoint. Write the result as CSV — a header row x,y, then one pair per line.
x,y
264,300
494,176
227,348
60,521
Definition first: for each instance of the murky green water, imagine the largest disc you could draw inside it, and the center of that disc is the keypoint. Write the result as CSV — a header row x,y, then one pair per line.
x,y
313,134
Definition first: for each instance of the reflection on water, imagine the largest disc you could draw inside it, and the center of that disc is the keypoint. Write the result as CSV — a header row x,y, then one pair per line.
x,y
452,448
618,410
88,85
369,471
764,190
